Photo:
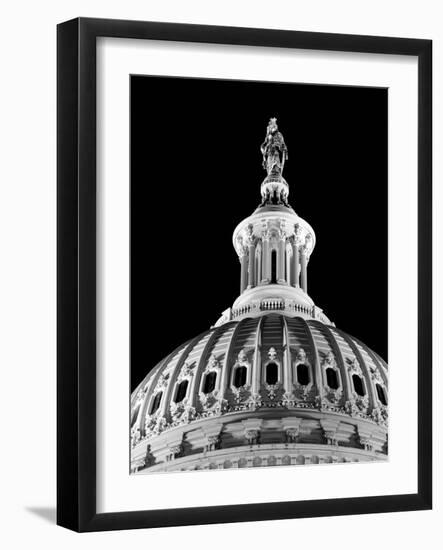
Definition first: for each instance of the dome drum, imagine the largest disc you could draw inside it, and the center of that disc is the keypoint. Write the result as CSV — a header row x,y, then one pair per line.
x,y
286,433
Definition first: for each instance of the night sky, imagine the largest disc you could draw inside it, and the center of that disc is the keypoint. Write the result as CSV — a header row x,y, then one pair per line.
x,y
196,173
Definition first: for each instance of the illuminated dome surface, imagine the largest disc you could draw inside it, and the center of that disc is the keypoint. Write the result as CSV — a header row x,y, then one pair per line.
x,y
274,381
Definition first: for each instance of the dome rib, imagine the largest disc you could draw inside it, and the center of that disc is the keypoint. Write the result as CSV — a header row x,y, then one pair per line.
x,y
205,354
363,366
181,361
153,376
225,369
378,362
257,350
318,373
286,352
327,332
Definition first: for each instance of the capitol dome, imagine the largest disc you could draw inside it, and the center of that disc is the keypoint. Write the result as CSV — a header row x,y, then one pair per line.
x,y
274,381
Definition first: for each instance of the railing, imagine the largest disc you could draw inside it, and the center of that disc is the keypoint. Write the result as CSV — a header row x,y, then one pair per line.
x,y
241,311
279,304
297,308
272,304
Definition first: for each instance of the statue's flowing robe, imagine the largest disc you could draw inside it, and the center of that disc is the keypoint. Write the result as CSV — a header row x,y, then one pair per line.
x,y
274,153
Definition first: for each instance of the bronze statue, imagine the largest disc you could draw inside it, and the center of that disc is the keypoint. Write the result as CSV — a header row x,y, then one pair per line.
x,y
274,150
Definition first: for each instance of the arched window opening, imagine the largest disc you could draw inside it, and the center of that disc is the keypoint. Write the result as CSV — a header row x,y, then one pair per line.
x,y
134,415
240,376
332,378
156,402
358,385
381,394
271,373
181,391
274,267
209,384
303,374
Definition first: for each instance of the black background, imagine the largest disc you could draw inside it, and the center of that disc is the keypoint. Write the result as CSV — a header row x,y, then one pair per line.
x,y
196,173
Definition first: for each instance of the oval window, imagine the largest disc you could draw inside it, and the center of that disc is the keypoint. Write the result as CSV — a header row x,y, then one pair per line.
x,y
332,378
181,391
209,384
381,394
358,385
240,377
156,402
272,374
303,374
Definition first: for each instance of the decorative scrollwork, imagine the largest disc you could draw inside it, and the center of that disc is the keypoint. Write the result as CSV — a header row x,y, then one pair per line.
x,y
140,395
252,436
255,401
186,371
182,413
162,382
329,359
292,434
300,355
380,415
213,363
354,366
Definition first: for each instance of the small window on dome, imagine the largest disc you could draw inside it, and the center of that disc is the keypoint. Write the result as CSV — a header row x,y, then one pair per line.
x,y
358,385
240,376
209,384
134,415
180,394
156,402
332,378
271,373
303,374
381,394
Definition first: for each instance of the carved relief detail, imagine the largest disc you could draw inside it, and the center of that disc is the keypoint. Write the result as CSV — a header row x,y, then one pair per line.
x,y
292,434
252,436
354,366
187,371
162,382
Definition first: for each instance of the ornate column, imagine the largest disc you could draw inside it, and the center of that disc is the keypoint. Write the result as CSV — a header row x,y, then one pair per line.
x,y
288,265
266,260
281,260
244,271
258,275
304,263
251,270
295,264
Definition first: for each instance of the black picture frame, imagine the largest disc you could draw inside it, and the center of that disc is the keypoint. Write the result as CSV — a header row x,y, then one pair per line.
x,y
76,274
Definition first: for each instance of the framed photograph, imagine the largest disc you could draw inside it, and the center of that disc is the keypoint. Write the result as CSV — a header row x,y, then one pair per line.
x,y
244,274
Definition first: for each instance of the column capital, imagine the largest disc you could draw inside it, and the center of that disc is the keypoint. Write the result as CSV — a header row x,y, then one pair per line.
x,y
242,252
266,234
297,234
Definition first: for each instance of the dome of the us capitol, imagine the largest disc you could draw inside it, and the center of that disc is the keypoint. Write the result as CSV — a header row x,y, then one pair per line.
x,y
274,381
